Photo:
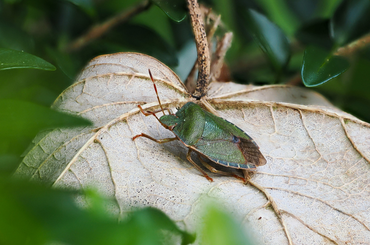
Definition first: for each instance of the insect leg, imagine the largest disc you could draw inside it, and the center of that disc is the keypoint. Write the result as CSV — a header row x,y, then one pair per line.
x,y
216,171
151,138
155,88
166,109
247,175
148,113
188,156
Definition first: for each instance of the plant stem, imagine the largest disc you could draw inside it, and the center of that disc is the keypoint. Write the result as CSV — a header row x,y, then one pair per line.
x,y
222,46
354,46
204,61
100,29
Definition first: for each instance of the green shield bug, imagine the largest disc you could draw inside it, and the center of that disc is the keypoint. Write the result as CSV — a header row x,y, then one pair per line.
x,y
210,136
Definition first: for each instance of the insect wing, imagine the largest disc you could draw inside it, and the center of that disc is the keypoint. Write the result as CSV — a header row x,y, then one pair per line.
x,y
228,145
224,152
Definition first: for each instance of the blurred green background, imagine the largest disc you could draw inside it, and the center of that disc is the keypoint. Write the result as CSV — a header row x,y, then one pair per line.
x,y
275,42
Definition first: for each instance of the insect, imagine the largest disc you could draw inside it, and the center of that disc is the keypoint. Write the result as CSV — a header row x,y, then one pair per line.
x,y
210,136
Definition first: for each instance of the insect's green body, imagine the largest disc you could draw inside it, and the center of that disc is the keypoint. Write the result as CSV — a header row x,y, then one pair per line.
x,y
210,136
213,137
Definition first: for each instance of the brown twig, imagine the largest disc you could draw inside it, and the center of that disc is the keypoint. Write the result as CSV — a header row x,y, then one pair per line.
x,y
102,28
217,62
204,62
354,46
211,28
190,80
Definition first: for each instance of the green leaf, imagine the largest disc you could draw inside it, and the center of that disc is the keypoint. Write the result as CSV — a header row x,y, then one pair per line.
x,y
85,5
187,57
315,33
271,39
175,9
327,8
34,214
13,37
67,63
303,11
319,66
14,59
15,217
143,40
152,220
25,119
11,1
280,13
8,163
161,25
221,229
350,21
357,91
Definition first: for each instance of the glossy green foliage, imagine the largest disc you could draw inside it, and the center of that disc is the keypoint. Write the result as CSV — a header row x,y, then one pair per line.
x,y
138,42
66,63
14,59
86,5
319,66
35,214
221,229
351,95
213,137
21,120
316,33
279,13
175,9
14,37
270,38
350,21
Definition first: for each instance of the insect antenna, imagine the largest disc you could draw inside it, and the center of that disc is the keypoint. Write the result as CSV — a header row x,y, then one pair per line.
x,y
155,88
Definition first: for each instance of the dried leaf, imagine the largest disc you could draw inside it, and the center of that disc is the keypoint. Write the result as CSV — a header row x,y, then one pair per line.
x,y
313,189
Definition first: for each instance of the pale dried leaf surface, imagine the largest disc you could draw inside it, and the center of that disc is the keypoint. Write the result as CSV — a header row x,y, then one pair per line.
x,y
317,170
